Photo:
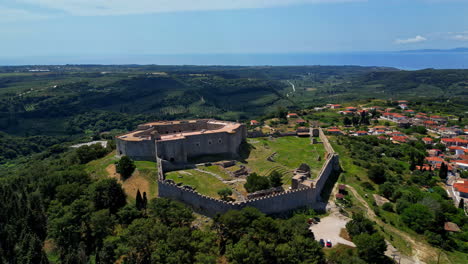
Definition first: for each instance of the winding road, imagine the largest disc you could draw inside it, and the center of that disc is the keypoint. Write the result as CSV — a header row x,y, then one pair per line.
x,y
292,84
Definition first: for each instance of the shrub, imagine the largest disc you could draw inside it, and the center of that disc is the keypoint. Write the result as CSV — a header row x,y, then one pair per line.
x,y
387,207
256,183
125,166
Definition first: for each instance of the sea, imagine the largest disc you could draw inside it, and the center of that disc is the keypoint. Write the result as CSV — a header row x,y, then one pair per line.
x,y
400,60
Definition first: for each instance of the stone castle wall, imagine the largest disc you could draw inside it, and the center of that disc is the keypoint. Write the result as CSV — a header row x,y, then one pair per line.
x,y
199,145
137,150
180,149
271,204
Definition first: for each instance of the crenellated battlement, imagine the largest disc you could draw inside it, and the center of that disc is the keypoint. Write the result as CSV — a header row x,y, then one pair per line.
x,y
288,200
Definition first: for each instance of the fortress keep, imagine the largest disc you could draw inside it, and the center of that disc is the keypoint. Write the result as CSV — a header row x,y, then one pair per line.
x,y
179,141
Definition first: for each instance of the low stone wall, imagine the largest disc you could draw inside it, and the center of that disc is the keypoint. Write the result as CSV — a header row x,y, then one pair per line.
x,y
269,204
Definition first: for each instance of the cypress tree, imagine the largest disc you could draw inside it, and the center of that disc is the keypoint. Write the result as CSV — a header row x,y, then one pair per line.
x,y
461,205
145,200
139,200
443,171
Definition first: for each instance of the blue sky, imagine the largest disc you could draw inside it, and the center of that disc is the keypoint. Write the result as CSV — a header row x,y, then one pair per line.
x,y
74,27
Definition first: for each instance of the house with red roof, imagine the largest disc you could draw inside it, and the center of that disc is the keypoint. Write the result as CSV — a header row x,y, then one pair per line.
x,y
335,106
301,121
458,150
454,142
428,140
438,119
461,164
292,115
400,139
429,123
335,131
434,160
254,123
361,133
461,187
425,167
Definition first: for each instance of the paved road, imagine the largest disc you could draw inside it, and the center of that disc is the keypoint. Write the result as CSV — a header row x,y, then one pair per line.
x,y
293,86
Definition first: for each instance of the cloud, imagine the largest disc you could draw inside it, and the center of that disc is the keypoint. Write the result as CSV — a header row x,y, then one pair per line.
x,y
13,14
416,39
461,36
126,7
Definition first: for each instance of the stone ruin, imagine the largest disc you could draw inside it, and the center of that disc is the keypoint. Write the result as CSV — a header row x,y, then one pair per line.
x,y
301,177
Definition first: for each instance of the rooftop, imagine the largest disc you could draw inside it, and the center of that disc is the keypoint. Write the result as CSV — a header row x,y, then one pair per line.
x,y
140,135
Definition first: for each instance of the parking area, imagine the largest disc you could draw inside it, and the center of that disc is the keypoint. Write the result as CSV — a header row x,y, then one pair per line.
x,y
329,229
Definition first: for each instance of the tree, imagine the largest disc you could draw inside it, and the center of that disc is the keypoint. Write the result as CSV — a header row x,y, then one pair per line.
x,y
139,200
276,179
145,201
418,217
169,212
461,204
371,248
125,166
443,171
360,225
256,183
387,189
347,121
225,193
107,193
377,174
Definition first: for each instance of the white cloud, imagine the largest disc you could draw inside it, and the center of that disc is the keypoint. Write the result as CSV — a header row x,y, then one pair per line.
x,y
416,39
125,7
13,14
462,37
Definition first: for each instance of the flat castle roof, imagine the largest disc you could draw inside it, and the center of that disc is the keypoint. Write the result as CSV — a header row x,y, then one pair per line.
x,y
227,127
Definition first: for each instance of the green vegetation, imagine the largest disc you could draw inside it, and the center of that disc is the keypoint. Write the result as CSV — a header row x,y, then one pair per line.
x,y
287,154
225,194
418,206
125,166
59,205
203,183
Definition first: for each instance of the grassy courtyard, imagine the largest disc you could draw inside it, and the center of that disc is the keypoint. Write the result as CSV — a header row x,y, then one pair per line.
x,y
204,183
287,154
290,153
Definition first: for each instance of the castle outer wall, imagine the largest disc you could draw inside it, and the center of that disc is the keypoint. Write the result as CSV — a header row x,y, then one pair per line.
x,y
179,141
271,204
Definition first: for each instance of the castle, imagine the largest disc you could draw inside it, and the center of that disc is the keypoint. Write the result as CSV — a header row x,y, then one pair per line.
x,y
173,143
179,141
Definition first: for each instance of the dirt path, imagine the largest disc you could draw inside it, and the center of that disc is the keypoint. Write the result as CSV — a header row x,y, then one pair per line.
x,y
131,185
421,250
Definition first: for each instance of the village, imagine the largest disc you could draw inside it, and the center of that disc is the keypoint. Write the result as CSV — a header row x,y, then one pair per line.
x,y
446,144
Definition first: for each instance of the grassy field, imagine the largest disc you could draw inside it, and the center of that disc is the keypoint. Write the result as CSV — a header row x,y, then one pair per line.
x,y
204,183
144,177
97,168
290,153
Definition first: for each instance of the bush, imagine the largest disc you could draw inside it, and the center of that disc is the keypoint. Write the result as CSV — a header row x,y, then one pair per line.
x,y
377,174
276,179
225,193
256,183
125,166
387,207
367,186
